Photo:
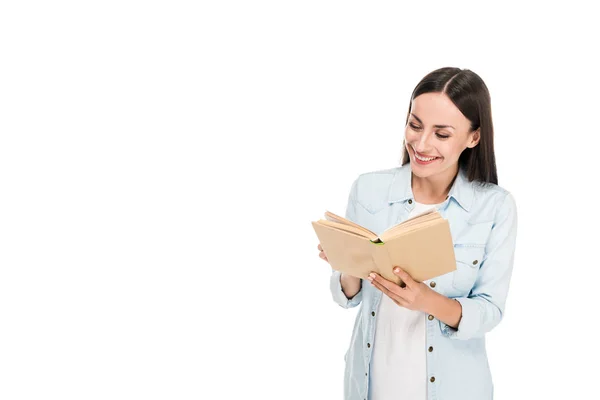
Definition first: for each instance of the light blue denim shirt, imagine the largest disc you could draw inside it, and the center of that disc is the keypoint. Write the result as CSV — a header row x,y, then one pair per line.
x,y
483,224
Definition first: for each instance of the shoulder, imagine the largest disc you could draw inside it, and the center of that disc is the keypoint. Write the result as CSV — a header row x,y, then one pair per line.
x,y
492,201
371,189
382,178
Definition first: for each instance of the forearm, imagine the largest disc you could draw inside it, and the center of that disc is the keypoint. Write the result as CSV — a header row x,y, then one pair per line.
x,y
350,285
339,295
447,310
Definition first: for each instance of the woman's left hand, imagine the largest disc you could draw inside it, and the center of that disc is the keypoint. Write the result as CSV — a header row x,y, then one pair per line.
x,y
414,295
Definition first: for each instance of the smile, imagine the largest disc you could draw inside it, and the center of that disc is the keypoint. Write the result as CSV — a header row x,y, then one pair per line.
x,y
423,159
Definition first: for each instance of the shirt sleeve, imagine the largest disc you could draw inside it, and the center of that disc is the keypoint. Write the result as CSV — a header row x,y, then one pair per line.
x,y
483,309
335,285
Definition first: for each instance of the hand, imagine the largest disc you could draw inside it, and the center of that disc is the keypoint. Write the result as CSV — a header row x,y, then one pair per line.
x,y
322,253
409,294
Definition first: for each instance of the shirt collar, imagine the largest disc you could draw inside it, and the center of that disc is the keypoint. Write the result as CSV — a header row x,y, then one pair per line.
x,y
401,189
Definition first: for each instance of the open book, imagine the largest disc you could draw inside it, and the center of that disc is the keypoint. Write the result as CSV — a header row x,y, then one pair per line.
x,y
421,245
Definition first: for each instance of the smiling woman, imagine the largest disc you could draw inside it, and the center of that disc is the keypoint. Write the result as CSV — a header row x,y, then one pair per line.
x,y
446,128
425,340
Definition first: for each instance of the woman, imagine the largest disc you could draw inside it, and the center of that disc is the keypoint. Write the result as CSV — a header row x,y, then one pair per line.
x,y
426,340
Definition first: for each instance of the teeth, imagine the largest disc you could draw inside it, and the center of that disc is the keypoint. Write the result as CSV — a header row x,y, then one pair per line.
x,y
424,159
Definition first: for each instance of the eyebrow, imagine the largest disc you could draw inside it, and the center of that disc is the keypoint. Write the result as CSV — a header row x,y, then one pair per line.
x,y
435,126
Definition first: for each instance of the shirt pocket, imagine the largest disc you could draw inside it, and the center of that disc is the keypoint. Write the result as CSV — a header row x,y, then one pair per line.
x,y
468,258
374,206
469,250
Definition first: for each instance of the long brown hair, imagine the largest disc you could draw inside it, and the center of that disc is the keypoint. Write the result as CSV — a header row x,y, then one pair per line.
x,y
471,96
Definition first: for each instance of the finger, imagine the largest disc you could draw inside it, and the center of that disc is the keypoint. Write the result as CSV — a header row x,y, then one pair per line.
x,y
406,278
392,295
319,247
390,287
323,256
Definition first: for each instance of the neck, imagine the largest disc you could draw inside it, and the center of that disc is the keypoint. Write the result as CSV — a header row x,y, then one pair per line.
x,y
433,189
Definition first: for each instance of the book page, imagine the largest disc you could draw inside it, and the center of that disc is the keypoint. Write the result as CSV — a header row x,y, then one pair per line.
x,y
394,233
336,218
414,221
419,219
357,230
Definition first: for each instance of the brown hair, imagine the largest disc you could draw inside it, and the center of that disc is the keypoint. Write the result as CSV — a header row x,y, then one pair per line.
x,y
470,95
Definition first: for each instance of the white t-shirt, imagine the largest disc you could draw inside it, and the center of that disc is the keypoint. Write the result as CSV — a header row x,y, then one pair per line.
x,y
399,355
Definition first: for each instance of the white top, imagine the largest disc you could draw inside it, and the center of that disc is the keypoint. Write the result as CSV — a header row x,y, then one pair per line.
x,y
399,355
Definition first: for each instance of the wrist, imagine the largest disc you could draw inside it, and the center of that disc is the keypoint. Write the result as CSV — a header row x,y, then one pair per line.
x,y
448,310
432,299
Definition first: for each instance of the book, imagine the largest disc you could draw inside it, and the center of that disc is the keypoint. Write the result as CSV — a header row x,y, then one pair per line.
x,y
421,245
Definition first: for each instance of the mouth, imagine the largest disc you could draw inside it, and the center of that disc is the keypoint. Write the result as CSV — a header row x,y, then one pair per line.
x,y
423,159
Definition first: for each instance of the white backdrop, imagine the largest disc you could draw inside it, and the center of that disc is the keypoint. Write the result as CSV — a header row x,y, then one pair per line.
x,y
161,162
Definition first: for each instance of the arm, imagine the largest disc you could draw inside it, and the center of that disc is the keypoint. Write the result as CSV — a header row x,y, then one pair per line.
x,y
482,310
447,310
337,284
342,285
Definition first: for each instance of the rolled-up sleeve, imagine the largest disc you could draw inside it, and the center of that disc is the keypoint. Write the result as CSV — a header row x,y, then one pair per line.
x,y
338,294
335,285
483,309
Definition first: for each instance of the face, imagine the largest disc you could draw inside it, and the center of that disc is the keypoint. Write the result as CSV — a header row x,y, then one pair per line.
x,y
438,133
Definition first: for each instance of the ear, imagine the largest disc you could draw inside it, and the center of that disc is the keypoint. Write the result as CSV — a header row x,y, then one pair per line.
x,y
474,140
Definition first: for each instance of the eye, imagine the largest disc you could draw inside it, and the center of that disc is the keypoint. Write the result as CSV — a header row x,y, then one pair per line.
x,y
416,128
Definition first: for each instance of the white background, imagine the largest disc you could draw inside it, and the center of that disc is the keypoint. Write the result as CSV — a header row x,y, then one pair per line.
x,y
161,162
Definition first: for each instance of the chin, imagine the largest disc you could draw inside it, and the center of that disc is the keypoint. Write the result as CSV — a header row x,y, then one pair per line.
x,y
427,170
423,172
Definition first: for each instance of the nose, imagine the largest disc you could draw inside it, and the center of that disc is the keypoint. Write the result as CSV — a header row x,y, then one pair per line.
x,y
422,143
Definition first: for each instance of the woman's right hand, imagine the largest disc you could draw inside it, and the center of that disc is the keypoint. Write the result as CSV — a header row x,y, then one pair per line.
x,y
322,253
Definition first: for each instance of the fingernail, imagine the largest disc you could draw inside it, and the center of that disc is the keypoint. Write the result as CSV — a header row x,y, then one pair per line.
x,y
396,269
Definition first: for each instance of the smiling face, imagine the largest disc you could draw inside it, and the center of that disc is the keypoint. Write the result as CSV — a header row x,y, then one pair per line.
x,y
436,134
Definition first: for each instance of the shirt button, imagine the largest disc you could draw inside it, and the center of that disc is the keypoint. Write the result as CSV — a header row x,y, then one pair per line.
x,y
475,262
432,379
432,284
430,349
409,201
373,313
368,344
430,317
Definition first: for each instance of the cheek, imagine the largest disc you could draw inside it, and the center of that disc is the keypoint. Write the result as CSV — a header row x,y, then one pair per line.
x,y
449,151
409,135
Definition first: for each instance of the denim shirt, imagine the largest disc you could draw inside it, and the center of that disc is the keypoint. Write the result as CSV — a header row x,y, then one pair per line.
x,y
483,225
